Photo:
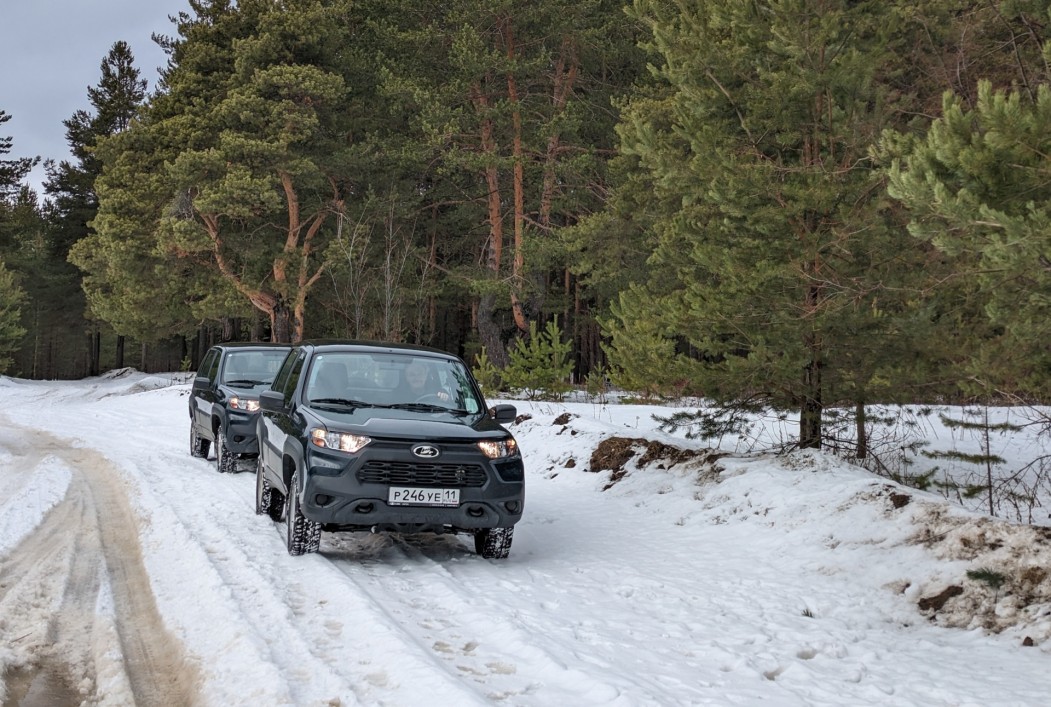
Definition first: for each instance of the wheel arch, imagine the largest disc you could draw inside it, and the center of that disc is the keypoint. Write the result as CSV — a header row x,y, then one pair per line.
x,y
291,460
218,420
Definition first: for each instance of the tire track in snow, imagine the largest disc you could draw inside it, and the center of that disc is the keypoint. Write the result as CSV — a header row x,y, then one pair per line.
x,y
471,630
233,571
293,611
74,592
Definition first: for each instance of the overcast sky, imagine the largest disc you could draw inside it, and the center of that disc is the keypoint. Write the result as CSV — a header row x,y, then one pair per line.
x,y
51,52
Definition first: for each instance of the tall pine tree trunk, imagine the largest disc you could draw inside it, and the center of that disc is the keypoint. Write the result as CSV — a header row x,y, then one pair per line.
x,y
231,329
281,329
812,405
810,413
95,352
862,436
518,191
489,331
257,327
201,348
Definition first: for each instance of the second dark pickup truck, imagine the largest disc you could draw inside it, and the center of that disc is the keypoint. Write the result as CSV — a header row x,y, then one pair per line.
x,y
224,401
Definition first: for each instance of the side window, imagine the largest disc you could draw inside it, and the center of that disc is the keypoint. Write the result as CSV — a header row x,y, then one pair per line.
x,y
283,372
213,368
212,357
293,377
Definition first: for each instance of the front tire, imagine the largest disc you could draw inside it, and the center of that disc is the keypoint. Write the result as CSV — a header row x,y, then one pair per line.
x,y
198,444
267,500
225,462
303,535
493,543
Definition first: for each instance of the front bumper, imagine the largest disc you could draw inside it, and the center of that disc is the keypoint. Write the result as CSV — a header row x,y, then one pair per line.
x,y
349,491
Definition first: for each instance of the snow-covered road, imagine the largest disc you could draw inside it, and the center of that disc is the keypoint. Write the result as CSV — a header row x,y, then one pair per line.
x,y
131,573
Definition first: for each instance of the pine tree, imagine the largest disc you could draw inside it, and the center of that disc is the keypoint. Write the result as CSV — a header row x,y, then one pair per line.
x,y
780,272
60,307
12,297
237,176
115,101
12,172
540,364
977,188
16,200
511,108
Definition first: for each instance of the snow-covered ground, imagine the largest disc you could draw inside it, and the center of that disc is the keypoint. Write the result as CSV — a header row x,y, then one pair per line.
x,y
131,573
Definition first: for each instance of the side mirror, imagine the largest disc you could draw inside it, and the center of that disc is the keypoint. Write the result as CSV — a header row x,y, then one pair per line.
x,y
272,401
503,413
201,383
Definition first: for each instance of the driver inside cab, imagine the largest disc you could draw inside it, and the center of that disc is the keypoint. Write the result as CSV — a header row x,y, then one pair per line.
x,y
420,384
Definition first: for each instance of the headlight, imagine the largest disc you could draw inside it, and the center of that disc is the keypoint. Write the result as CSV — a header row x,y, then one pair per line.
x,y
498,449
336,440
246,404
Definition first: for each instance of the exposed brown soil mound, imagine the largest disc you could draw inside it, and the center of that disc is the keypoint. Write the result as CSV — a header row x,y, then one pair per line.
x,y
613,453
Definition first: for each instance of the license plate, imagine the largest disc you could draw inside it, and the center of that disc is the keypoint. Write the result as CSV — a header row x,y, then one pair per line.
x,y
401,496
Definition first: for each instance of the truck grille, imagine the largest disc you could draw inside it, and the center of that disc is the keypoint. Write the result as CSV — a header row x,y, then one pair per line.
x,y
421,474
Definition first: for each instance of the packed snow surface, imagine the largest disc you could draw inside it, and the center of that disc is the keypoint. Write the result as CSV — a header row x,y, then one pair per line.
x,y
647,570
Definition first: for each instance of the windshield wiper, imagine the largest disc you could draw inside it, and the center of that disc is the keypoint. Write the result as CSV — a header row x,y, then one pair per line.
x,y
246,381
343,401
419,407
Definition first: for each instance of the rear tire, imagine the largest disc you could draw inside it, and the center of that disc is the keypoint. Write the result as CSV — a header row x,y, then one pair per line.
x,y
198,444
493,543
225,462
303,535
267,500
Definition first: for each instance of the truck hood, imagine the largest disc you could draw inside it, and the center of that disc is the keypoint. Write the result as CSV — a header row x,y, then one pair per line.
x,y
404,424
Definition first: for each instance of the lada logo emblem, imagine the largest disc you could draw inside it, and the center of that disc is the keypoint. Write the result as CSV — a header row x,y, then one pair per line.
x,y
425,451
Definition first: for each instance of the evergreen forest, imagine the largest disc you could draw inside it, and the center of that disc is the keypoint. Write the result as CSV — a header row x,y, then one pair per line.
x,y
802,205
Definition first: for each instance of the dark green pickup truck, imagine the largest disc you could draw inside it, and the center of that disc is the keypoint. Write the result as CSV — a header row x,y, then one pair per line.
x,y
224,401
359,436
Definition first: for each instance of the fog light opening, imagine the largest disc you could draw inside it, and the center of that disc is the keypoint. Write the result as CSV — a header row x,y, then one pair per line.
x,y
513,506
322,499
